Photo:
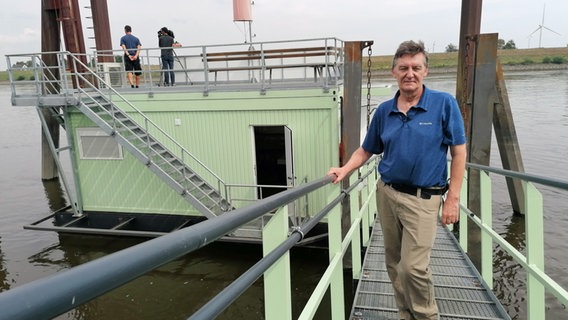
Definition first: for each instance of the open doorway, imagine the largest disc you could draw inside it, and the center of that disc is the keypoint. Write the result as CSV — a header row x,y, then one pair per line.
x,y
273,159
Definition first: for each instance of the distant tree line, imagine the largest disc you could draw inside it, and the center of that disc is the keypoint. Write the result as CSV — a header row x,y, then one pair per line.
x,y
501,45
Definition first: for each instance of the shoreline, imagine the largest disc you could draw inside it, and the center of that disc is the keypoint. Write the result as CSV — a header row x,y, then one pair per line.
x,y
382,73
506,68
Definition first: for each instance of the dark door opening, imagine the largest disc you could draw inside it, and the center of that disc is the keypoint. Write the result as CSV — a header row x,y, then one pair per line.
x,y
273,156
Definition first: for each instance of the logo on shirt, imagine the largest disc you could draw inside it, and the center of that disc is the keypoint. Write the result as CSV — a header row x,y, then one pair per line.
x,y
425,123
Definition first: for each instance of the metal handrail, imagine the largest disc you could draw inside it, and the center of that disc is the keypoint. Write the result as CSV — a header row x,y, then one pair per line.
x,y
218,303
551,182
75,286
533,261
87,281
199,51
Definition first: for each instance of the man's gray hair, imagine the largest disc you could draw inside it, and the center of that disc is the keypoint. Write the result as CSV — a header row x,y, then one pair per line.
x,y
412,48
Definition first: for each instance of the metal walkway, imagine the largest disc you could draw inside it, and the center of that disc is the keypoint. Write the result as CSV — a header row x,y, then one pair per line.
x,y
460,291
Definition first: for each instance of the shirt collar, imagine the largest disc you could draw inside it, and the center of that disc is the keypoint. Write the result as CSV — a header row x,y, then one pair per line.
x,y
421,103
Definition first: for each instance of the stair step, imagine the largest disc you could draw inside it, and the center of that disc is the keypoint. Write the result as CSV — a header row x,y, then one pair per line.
x,y
174,170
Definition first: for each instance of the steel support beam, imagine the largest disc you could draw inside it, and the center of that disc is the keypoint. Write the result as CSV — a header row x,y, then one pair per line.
x,y
50,40
101,27
507,141
470,27
350,119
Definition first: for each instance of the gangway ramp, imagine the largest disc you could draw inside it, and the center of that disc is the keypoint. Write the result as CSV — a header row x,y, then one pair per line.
x,y
459,289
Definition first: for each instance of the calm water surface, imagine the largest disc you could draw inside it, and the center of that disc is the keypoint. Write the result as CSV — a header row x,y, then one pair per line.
x,y
540,109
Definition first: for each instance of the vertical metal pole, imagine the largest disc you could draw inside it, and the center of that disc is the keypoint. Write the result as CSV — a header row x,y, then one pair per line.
x,y
351,119
351,109
469,28
50,40
483,98
534,240
277,303
101,27
72,28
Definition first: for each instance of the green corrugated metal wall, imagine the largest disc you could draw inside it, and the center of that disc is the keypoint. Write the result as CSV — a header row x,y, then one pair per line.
x,y
216,129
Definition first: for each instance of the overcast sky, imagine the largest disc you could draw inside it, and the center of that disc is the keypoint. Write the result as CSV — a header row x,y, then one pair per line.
x,y
386,22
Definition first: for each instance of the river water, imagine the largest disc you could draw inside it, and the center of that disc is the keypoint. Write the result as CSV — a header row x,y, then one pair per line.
x,y
540,109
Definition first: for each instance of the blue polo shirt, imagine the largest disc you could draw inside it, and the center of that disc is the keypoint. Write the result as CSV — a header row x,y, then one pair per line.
x,y
415,145
131,43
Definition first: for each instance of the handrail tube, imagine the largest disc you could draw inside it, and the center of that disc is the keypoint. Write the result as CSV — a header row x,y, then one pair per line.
x,y
521,175
560,293
68,289
216,305
222,300
314,300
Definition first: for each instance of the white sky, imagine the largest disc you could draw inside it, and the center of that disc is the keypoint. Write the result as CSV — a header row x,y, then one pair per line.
x,y
386,22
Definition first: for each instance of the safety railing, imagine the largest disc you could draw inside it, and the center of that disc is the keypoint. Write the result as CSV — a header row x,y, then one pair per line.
x,y
68,289
94,278
256,65
538,282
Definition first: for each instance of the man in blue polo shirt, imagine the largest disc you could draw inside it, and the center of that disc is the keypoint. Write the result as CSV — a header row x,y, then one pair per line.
x,y
413,131
131,46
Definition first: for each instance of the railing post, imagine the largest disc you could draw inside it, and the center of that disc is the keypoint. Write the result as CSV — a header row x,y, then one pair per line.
x,y
463,215
535,251
277,303
370,214
486,219
336,280
356,212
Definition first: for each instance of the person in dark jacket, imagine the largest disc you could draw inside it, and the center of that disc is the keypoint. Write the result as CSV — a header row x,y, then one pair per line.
x,y
166,42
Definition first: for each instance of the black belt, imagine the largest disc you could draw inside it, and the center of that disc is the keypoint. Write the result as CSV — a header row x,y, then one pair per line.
x,y
424,193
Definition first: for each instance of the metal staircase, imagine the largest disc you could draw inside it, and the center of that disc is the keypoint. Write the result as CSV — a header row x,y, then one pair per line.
x,y
156,156
175,165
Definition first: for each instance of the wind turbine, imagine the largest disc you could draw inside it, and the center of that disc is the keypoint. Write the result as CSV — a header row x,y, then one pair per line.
x,y
539,29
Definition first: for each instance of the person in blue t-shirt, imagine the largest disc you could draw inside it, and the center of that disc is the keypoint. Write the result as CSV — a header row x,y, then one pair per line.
x,y
414,132
131,46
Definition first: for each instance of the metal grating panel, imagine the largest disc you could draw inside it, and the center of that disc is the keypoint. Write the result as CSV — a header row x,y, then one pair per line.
x,y
459,289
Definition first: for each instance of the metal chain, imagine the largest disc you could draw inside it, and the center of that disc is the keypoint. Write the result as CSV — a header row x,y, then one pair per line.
x,y
466,71
369,51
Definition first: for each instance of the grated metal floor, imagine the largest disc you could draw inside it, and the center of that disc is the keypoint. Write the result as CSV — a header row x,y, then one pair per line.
x,y
460,291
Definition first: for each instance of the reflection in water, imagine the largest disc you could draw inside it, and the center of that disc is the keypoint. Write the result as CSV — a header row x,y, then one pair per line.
x,y
3,272
55,194
179,288
510,277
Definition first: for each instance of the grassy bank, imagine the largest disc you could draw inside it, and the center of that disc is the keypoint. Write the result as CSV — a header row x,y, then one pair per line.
x,y
516,57
507,57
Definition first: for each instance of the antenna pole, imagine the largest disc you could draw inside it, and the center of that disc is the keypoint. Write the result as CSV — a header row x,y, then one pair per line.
x,y
250,30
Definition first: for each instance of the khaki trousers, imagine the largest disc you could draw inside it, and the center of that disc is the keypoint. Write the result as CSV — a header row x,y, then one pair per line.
x,y
409,228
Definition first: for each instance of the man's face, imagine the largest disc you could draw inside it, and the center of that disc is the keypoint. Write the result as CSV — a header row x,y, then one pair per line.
x,y
410,71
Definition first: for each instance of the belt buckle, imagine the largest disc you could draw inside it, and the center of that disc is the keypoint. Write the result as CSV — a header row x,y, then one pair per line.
x,y
424,194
